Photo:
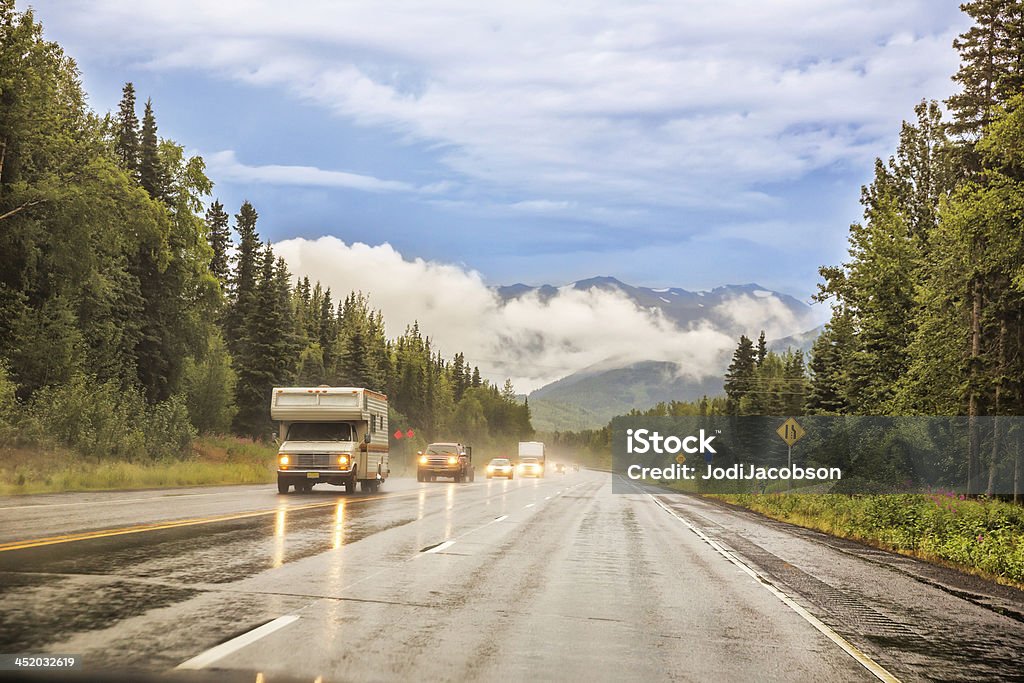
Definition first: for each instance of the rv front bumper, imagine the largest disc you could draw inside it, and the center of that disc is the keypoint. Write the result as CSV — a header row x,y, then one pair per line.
x,y
316,474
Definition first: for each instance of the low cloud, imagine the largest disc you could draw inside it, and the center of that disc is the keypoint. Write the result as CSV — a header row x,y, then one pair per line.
x,y
532,340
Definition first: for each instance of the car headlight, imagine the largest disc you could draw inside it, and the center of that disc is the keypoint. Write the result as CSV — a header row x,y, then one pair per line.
x,y
452,460
490,468
283,460
423,460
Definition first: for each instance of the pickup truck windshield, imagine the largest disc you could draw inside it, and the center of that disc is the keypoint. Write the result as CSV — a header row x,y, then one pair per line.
x,y
441,449
320,431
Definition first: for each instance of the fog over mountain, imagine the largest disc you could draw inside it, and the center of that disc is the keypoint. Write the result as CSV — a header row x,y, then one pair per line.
x,y
537,335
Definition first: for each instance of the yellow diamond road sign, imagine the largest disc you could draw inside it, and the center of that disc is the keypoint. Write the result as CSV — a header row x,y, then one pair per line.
x,y
791,431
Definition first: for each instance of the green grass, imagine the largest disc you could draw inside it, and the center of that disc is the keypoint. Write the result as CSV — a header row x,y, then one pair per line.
x,y
214,460
981,536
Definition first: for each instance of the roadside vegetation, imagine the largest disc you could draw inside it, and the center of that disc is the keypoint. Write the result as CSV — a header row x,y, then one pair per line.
x,y
212,460
978,535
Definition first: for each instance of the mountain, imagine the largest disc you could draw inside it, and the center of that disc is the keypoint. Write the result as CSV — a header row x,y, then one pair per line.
x,y
798,342
683,307
590,397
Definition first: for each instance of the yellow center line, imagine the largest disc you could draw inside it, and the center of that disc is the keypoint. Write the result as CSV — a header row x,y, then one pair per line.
x,y
140,528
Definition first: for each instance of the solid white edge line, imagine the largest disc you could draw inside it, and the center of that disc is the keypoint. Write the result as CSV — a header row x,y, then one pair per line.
x,y
529,506
204,659
439,547
863,659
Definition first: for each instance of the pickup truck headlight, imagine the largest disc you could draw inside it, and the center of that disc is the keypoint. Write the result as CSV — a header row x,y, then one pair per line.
x,y
452,460
283,460
423,460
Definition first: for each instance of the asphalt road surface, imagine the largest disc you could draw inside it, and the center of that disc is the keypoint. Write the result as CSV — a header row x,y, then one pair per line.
x,y
551,579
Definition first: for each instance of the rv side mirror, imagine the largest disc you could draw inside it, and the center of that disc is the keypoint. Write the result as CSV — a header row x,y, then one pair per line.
x,y
366,437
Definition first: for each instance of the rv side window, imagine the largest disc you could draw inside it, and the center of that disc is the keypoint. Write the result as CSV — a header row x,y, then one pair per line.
x,y
320,431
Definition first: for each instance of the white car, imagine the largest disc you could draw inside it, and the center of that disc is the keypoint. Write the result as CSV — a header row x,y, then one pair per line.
x,y
500,467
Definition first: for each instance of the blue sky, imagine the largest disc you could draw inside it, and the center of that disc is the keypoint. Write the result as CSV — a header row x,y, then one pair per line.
x,y
422,152
667,144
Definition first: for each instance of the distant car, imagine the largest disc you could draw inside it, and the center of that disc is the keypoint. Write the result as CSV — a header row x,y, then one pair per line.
x,y
531,467
575,467
560,468
500,467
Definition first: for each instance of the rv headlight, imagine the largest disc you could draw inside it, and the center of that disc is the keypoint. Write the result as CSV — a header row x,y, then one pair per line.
x,y
283,459
343,460
423,460
452,460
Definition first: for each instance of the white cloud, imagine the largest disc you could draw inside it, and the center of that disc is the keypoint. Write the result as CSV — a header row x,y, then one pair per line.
x,y
532,341
225,165
674,103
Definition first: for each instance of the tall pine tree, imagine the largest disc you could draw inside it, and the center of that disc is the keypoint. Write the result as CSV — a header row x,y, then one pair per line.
x,y
126,132
219,236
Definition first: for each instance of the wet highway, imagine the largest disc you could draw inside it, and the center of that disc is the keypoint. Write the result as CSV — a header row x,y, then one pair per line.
x,y
550,579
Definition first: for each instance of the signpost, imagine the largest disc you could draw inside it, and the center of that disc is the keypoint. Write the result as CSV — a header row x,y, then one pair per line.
x,y
790,431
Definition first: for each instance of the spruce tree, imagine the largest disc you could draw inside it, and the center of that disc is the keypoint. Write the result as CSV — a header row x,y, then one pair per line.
x,y
243,282
984,55
126,132
827,392
739,378
151,175
460,380
219,237
762,349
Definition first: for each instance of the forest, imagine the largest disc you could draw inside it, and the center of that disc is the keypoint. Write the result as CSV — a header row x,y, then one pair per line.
x,y
136,312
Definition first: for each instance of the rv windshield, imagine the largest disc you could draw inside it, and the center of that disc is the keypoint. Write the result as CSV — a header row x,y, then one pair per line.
x,y
320,431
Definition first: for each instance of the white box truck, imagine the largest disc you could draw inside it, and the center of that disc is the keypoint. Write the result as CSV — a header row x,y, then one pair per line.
x,y
330,435
531,458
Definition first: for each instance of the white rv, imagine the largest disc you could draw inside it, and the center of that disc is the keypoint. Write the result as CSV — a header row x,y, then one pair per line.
x,y
332,435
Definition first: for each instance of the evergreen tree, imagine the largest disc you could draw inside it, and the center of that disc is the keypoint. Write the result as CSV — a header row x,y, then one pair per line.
x,y
827,392
459,376
219,236
243,285
151,175
794,383
987,64
762,349
126,132
267,353
739,379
